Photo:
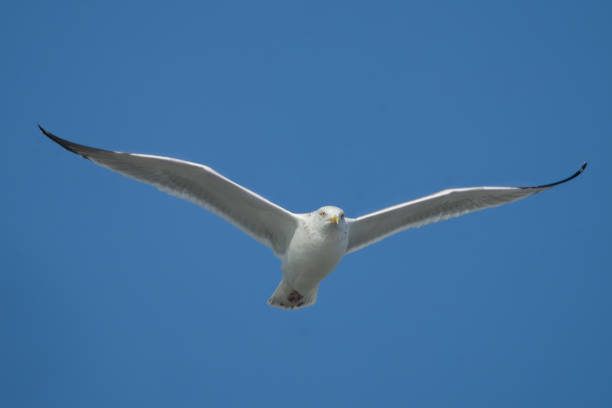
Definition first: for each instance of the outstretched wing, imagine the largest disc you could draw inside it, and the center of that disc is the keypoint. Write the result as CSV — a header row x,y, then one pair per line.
x,y
265,221
443,205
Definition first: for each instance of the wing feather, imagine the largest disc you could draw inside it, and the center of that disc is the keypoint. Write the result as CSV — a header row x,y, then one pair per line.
x,y
265,221
440,206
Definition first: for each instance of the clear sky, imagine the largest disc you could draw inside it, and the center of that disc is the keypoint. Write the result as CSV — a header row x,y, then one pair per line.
x,y
113,294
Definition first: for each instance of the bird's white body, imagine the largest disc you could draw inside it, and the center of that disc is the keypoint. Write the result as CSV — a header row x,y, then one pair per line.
x,y
311,245
316,248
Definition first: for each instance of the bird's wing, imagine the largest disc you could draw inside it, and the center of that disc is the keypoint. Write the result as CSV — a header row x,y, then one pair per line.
x,y
265,221
443,205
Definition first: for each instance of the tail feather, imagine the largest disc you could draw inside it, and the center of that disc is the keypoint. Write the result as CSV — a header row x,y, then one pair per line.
x,y
285,297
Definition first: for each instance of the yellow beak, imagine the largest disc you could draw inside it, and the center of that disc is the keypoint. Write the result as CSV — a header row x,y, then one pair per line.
x,y
334,219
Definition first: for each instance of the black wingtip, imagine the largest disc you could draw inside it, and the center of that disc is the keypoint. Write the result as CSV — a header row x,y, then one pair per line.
x,y
573,176
64,143
45,131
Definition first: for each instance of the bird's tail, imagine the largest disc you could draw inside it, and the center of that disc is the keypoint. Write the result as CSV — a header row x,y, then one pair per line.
x,y
285,297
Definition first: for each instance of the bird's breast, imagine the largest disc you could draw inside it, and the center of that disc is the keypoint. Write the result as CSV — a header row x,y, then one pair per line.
x,y
311,256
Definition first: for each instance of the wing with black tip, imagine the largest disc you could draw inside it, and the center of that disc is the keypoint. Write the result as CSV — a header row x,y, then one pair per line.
x,y
443,205
265,221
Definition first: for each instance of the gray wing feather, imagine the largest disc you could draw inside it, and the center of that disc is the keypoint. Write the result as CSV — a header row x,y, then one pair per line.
x,y
440,206
265,221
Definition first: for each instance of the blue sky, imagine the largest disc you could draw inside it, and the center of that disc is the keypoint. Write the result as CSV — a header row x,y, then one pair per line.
x,y
114,294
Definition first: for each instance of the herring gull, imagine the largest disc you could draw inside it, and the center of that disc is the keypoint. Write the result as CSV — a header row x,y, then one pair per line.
x,y
309,245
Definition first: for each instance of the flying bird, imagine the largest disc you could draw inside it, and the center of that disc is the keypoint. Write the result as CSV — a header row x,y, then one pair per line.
x,y
309,245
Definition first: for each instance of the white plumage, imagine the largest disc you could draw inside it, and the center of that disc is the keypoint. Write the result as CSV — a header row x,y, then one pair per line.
x,y
310,245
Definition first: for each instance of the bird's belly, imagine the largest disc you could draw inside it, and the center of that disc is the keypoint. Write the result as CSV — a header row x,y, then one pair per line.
x,y
306,263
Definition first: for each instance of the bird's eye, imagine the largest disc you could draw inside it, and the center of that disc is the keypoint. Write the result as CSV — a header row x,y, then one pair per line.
x,y
322,213
342,216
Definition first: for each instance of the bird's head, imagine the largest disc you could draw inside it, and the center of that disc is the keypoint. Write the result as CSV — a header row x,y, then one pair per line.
x,y
329,216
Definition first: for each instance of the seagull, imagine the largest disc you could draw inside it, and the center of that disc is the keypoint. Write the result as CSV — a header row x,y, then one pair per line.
x,y
309,245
